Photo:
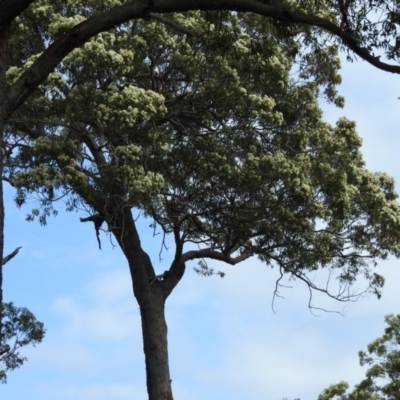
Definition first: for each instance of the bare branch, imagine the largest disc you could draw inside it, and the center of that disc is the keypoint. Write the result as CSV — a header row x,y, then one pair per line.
x,y
10,256
343,295
277,286
215,255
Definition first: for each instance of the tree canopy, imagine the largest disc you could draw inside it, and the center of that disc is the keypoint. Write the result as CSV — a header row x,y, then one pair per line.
x,y
208,135
363,27
207,122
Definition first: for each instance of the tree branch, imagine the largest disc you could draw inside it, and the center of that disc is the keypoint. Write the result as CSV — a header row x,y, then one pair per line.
x,y
75,37
215,255
172,24
277,12
178,267
10,9
10,256
94,149
53,55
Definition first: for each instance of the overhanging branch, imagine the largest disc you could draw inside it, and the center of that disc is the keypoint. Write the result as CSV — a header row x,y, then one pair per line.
x,y
78,35
279,13
215,255
75,37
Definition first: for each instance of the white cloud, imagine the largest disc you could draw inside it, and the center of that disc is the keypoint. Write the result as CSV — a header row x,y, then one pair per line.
x,y
64,357
105,308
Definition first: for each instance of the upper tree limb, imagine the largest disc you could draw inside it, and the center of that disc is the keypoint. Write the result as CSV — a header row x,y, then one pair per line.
x,y
10,256
78,35
10,9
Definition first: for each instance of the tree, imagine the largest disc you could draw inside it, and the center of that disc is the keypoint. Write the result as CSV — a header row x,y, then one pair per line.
x,y
19,328
137,120
349,22
382,380
240,170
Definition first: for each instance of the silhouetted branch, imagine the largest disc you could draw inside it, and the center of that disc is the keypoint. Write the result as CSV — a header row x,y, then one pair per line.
x,y
11,255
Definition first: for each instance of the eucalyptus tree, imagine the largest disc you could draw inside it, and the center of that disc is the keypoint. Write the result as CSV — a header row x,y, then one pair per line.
x,y
138,119
209,124
364,28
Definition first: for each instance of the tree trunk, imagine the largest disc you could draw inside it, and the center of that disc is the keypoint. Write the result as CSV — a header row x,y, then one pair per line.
x,y
1,211
155,346
151,294
3,102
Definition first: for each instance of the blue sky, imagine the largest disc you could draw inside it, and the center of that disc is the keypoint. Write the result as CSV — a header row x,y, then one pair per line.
x,y
225,342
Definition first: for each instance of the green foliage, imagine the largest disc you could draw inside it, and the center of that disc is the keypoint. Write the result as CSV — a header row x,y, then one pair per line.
x,y
382,380
204,270
19,328
218,136
372,25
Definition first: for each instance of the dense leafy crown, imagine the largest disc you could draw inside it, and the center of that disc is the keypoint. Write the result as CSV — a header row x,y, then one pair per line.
x,y
217,135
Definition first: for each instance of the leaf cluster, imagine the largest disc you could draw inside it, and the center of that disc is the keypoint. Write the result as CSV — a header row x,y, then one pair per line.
x,y
19,328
